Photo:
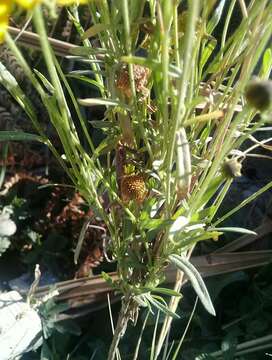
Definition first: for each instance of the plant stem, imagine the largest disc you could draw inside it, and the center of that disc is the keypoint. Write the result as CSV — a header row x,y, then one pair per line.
x,y
180,111
120,327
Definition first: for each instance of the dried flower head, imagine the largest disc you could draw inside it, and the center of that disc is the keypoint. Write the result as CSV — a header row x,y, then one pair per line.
x,y
141,76
133,188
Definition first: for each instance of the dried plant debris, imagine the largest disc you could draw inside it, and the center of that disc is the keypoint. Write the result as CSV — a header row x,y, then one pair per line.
x,y
19,177
23,157
69,221
141,76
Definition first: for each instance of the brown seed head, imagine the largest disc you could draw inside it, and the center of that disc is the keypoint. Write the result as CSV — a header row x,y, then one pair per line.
x,y
141,75
133,188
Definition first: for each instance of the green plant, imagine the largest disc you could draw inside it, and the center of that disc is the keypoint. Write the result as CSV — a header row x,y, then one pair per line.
x,y
174,120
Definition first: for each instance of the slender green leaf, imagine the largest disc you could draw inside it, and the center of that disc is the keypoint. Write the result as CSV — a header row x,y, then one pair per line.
x,y
233,229
94,30
49,87
164,291
183,264
216,16
97,101
244,203
164,309
82,50
18,136
267,62
100,124
207,52
85,79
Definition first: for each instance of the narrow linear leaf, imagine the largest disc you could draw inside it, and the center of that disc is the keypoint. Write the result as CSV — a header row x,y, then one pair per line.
x,y
217,14
97,101
161,307
198,284
49,87
81,239
207,52
100,124
267,62
82,50
142,301
85,79
94,30
18,136
164,291
233,229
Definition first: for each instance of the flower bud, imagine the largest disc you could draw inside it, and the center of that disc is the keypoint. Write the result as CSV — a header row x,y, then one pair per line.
x,y
259,94
232,168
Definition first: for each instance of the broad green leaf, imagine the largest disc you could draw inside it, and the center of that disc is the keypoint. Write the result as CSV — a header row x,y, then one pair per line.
x,y
183,264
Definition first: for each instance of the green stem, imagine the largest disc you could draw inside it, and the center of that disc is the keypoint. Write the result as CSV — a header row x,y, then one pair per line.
x,y
183,85
125,13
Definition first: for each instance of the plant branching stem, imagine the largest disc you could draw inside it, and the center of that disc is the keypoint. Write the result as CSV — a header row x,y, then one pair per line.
x,y
120,327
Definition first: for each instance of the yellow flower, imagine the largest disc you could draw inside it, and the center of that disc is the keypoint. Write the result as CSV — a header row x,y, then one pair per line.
x,y
70,2
6,7
27,4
